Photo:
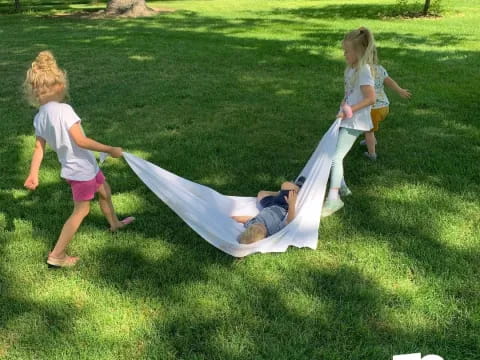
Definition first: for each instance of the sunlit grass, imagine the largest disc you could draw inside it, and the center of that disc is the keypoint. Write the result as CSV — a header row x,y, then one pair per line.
x,y
235,95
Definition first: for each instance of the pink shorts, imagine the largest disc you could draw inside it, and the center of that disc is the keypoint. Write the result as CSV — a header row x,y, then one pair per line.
x,y
85,190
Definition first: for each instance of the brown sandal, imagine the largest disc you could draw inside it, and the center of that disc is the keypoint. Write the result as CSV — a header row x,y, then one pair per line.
x,y
66,261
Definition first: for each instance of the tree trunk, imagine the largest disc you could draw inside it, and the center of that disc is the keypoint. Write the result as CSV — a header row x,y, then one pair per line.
x,y
426,7
128,8
17,5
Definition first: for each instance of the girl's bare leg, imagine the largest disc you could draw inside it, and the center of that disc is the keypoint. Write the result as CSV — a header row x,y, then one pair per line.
x,y
106,205
80,211
371,142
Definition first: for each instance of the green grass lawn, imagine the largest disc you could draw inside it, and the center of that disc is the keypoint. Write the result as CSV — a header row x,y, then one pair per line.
x,y
235,94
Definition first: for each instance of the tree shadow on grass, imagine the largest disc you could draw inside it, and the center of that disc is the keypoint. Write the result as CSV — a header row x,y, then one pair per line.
x,y
307,313
216,138
44,6
42,327
401,40
193,125
237,327
441,268
349,11
182,139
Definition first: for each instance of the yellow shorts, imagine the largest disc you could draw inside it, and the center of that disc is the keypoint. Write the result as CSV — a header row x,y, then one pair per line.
x,y
378,115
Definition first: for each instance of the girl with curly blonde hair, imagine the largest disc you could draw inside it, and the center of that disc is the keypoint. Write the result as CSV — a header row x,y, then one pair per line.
x,y
57,124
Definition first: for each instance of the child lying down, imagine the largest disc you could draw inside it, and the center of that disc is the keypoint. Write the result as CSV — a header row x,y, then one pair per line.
x,y
278,209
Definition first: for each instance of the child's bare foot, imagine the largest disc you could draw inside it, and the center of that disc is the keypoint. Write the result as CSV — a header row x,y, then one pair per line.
x,y
121,224
66,261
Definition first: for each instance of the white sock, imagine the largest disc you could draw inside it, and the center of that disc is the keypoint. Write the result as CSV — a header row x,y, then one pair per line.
x,y
344,184
333,194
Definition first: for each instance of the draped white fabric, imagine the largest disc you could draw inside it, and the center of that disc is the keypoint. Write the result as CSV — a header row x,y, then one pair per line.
x,y
209,212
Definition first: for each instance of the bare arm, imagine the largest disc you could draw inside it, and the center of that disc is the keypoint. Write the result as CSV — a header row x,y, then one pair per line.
x,y
32,180
369,98
392,84
89,144
292,202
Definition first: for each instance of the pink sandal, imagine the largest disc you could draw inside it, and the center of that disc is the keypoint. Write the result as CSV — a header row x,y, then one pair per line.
x,y
125,222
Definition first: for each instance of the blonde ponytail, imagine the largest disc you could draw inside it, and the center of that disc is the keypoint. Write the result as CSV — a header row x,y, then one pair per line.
x,y
363,43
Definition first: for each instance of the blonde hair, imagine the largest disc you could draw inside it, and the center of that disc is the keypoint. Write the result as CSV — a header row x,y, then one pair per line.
x,y
253,233
43,80
363,44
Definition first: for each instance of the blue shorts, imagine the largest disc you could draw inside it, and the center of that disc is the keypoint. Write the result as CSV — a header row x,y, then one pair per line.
x,y
278,200
272,217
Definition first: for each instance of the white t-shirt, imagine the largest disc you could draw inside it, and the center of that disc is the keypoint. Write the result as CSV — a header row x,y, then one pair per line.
x,y
380,76
52,123
361,120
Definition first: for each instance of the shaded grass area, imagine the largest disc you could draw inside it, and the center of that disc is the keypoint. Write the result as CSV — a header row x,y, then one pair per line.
x,y
33,7
235,95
